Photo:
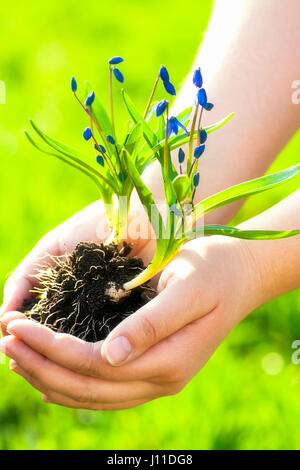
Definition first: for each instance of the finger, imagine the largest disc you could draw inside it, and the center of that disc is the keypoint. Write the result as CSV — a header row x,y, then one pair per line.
x,y
78,355
55,398
7,318
176,306
86,225
76,386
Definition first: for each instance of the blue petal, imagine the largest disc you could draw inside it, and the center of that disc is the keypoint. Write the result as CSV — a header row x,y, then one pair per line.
x,y
196,179
73,84
203,136
209,106
182,126
198,151
161,107
119,76
100,160
110,139
163,73
115,60
197,78
87,133
90,98
202,97
181,156
169,87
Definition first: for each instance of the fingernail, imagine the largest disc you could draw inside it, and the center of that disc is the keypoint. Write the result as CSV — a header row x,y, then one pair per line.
x,y
117,350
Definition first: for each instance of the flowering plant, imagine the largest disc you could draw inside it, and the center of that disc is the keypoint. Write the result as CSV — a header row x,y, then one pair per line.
x,y
121,162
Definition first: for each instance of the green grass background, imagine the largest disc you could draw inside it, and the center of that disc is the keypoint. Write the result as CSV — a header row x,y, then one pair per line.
x,y
233,403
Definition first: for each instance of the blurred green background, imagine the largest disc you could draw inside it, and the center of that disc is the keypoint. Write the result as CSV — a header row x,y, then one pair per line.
x,y
245,397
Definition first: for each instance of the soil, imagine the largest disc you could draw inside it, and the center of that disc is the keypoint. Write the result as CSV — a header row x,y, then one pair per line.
x,y
83,294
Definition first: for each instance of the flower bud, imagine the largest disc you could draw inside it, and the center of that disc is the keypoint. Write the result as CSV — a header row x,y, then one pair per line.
x,y
90,98
196,179
199,151
161,107
209,106
110,139
119,76
87,133
115,60
197,78
169,87
203,136
181,156
163,73
100,160
202,97
73,84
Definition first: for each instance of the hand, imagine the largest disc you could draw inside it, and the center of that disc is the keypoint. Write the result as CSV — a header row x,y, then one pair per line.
x,y
86,225
204,292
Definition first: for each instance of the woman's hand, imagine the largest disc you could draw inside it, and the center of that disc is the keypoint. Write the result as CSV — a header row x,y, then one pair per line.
x,y
203,293
87,225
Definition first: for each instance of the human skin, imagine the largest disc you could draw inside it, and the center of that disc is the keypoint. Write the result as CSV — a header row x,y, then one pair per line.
x,y
214,282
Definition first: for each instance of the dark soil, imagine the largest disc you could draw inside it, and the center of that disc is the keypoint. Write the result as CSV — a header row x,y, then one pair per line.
x,y
75,295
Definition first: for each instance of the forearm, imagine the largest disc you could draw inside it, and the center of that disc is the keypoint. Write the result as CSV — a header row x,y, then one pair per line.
x,y
277,262
248,61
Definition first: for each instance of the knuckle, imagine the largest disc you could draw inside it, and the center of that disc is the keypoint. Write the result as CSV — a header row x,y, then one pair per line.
x,y
148,329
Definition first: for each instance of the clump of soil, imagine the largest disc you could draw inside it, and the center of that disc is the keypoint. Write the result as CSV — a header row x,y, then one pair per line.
x,y
83,295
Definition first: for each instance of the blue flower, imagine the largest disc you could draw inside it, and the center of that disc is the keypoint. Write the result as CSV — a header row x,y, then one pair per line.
x,y
197,78
73,84
203,136
169,88
115,60
173,125
198,151
163,73
209,106
100,160
202,97
196,179
161,107
181,156
87,133
90,98
119,76
110,139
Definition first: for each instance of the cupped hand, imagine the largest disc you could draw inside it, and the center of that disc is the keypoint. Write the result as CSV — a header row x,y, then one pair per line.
x,y
203,294
87,225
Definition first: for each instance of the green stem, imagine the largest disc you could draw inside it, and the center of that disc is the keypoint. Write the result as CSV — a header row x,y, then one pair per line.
x,y
151,97
190,152
166,149
111,102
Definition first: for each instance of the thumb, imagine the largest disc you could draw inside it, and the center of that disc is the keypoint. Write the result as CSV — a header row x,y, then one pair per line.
x,y
179,303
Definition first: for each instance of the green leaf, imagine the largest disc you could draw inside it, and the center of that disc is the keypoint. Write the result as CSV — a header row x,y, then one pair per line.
x,y
218,124
73,155
45,149
242,190
184,115
136,116
134,138
238,233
